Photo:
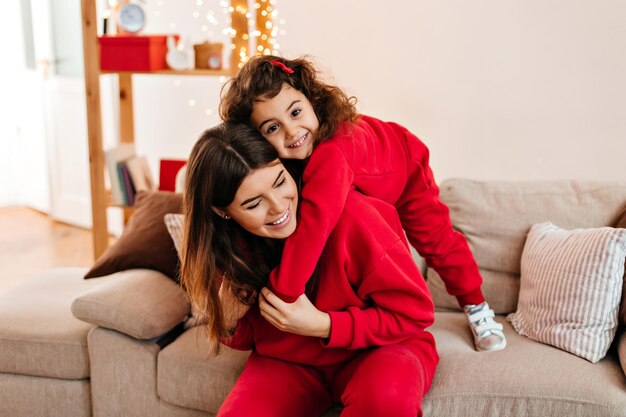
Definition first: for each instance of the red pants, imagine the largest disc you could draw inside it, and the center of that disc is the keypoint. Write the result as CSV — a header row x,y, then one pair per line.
x,y
383,381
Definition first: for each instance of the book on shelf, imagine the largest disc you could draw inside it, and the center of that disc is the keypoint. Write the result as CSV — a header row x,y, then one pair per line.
x,y
140,173
128,191
112,157
128,174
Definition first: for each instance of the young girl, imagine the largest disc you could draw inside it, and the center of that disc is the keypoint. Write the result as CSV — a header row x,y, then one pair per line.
x,y
309,120
367,307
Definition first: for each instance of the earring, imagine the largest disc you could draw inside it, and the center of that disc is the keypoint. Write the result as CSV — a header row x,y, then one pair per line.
x,y
226,217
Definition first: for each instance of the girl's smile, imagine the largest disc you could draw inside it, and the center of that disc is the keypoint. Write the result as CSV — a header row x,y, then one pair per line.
x,y
287,121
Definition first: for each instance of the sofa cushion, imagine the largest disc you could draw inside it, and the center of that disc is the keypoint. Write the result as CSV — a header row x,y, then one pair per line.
x,y
207,379
138,302
145,242
621,223
571,286
495,217
32,396
621,349
525,379
174,223
39,336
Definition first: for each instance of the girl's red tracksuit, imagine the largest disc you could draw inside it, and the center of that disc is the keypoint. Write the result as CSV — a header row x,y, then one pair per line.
x,y
386,161
379,360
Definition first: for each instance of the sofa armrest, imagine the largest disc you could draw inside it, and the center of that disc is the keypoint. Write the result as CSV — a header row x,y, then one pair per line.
x,y
141,303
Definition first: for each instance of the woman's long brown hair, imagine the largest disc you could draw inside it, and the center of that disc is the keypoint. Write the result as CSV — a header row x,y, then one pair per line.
x,y
259,77
214,248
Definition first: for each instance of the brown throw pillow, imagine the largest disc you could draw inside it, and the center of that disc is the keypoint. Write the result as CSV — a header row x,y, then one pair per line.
x,y
145,242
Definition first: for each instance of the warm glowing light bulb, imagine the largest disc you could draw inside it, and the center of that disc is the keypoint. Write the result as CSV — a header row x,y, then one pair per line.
x,y
209,112
192,102
177,83
195,15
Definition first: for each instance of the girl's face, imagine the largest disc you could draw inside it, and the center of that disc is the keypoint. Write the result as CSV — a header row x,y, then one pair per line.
x,y
266,202
287,121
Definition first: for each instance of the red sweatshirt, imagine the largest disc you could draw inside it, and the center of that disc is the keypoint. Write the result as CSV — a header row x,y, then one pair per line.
x,y
367,282
386,161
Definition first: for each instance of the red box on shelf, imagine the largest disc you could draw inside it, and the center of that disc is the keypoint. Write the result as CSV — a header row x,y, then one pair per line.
x,y
133,52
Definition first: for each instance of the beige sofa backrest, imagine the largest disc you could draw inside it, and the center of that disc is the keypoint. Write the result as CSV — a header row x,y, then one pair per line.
x,y
496,216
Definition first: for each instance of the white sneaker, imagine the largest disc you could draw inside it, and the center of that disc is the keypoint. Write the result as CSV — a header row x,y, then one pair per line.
x,y
487,332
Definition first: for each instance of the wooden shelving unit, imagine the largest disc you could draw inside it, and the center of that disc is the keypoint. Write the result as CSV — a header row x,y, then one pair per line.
x,y
100,198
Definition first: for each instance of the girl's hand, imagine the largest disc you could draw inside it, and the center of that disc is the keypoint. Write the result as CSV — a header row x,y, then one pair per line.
x,y
232,308
300,317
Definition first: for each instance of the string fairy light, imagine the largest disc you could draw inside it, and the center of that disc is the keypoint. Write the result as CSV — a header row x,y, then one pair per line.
x,y
258,21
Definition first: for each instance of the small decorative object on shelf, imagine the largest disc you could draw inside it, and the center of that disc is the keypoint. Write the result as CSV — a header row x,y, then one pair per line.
x,y
168,169
208,55
176,57
130,18
133,52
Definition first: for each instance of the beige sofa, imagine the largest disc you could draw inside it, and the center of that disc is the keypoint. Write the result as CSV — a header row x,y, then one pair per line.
x,y
142,363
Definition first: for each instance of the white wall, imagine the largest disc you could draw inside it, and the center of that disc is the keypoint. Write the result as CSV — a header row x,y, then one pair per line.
x,y
9,188
23,149
505,89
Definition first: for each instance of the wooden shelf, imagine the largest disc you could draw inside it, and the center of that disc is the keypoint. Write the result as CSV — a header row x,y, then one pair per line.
x,y
100,200
198,72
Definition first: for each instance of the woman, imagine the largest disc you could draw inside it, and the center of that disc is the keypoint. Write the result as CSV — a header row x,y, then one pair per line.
x,y
365,307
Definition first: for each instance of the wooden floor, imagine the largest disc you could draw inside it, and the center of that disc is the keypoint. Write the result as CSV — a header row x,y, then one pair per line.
x,y
31,242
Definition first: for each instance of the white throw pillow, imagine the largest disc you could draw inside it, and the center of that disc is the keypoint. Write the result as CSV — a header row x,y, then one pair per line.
x,y
174,224
570,289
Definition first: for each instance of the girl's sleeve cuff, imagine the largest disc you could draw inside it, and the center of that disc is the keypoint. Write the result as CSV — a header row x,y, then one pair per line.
x,y
341,330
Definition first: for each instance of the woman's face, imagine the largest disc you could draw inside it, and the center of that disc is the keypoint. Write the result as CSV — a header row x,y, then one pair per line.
x,y
266,202
288,121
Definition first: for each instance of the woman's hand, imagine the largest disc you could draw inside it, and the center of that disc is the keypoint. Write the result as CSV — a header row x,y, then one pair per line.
x,y
232,308
300,317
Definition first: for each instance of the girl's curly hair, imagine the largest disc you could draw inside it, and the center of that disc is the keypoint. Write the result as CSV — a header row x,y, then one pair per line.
x,y
262,77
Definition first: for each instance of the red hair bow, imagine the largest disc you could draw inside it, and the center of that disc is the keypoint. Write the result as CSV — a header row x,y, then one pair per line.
x,y
282,66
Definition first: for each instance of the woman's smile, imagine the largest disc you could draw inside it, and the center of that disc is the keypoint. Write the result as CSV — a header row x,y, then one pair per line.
x,y
281,220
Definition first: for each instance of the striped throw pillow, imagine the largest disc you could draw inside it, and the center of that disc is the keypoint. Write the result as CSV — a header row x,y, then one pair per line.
x,y
174,224
570,289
